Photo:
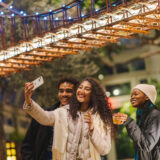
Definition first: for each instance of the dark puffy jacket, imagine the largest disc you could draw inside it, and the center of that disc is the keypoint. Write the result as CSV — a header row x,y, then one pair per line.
x,y
37,139
146,136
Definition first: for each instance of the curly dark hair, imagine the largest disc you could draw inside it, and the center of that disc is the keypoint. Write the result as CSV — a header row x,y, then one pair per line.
x,y
98,103
68,79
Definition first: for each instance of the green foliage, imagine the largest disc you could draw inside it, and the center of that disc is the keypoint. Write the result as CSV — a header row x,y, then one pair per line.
x,y
86,5
129,110
31,6
109,49
125,148
156,83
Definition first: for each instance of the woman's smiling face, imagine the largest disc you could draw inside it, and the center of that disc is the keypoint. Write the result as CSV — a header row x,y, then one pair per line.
x,y
138,98
83,92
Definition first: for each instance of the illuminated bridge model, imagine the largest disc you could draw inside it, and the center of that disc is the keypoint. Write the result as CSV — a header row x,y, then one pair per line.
x,y
35,39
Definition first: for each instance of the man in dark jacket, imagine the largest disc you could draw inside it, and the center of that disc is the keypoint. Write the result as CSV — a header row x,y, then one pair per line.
x,y
38,140
146,132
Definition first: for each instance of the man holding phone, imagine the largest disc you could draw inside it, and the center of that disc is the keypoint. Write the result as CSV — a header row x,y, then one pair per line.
x,y
38,140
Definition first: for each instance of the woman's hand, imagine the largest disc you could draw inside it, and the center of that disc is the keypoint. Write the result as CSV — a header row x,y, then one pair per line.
x,y
119,118
88,119
28,92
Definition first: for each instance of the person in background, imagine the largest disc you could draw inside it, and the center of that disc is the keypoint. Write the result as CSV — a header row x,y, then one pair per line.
x,y
82,129
37,144
146,132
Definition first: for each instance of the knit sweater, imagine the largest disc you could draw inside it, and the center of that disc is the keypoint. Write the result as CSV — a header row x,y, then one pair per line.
x,y
72,139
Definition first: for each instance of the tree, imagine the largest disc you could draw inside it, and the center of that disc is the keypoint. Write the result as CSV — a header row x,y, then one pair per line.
x,y
31,6
2,140
156,83
3,84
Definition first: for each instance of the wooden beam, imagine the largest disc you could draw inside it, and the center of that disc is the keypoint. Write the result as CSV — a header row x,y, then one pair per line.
x,y
141,25
4,65
31,58
113,35
9,70
149,19
39,54
55,51
82,42
127,30
2,74
16,61
72,46
100,39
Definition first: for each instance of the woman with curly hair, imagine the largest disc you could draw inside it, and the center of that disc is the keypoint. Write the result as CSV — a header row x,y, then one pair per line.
x,y
82,130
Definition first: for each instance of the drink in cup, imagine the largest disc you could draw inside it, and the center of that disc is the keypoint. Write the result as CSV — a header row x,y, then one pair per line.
x,y
116,120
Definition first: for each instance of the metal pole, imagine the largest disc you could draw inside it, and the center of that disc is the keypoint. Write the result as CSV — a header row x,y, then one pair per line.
x,y
158,3
33,27
24,28
108,5
12,31
79,17
3,36
92,8
38,25
27,28
124,3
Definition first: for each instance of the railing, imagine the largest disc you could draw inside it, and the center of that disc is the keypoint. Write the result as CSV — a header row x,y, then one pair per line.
x,y
39,38
17,27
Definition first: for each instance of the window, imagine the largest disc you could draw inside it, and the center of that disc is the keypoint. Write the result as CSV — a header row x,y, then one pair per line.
x,y
143,81
107,70
11,151
8,121
119,89
122,68
138,64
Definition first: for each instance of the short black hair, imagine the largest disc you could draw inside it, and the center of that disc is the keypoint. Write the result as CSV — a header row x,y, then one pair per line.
x,y
68,79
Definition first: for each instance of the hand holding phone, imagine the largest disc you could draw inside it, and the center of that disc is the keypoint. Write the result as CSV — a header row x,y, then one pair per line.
x,y
37,82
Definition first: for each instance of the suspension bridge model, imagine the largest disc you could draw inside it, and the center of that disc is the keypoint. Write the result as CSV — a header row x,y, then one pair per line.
x,y
31,40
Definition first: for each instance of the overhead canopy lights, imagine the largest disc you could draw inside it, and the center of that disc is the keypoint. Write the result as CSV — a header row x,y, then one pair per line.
x,y
73,34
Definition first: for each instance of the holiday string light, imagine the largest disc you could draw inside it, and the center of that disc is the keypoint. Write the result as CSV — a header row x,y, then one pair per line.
x,y
62,35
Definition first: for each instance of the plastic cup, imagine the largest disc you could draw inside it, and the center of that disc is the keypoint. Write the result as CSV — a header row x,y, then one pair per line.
x,y
116,120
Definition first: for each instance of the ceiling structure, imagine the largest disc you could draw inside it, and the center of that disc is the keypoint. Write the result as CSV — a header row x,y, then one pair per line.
x,y
39,38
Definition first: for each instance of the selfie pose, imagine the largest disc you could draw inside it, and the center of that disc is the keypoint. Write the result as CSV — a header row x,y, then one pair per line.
x,y
146,132
82,130
37,143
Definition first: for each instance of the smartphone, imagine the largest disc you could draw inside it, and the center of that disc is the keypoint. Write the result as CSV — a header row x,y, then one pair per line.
x,y
37,82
